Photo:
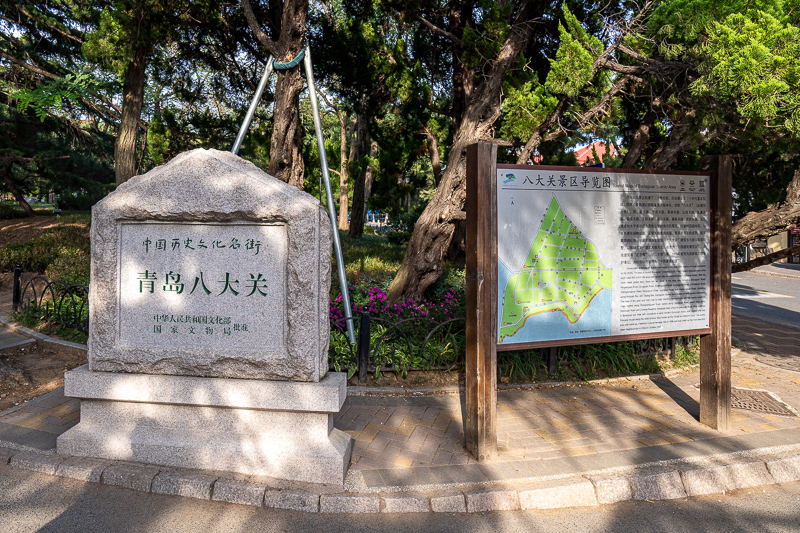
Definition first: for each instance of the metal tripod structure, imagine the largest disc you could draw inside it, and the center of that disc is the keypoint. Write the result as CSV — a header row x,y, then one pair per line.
x,y
305,55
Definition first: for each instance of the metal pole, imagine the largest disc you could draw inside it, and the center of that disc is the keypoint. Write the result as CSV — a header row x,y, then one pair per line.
x,y
16,296
250,112
323,159
362,351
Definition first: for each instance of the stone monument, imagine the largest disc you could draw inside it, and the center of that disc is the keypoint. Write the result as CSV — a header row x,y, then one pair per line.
x,y
208,326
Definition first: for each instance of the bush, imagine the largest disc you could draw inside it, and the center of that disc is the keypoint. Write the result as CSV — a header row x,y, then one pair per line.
x,y
71,266
402,226
81,202
9,211
69,244
398,237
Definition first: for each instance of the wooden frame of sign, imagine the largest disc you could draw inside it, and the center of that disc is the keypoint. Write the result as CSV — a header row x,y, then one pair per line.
x,y
710,279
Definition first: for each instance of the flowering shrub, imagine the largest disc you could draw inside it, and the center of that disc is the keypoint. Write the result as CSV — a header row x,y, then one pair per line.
x,y
373,300
404,335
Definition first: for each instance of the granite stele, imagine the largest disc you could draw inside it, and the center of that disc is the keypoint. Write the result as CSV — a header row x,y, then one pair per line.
x,y
208,337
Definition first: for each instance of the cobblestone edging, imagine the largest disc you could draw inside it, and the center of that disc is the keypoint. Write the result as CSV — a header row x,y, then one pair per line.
x,y
655,481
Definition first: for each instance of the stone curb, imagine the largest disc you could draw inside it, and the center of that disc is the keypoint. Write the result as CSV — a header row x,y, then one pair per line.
x,y
659,481
775,274
32,401
21,344
42,340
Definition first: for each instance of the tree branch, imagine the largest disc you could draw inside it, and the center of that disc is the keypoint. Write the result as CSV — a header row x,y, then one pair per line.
x,y
437,30
600,106
541,129
761,225
28,66
53,27
766,260
263,38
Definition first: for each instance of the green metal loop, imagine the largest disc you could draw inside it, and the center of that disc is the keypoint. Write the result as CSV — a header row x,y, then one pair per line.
x,y
291,64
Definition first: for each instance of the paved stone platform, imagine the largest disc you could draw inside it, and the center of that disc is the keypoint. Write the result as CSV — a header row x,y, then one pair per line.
x,y
560,444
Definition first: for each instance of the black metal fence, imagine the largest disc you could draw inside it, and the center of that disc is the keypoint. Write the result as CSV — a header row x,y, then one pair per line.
x,y
52,301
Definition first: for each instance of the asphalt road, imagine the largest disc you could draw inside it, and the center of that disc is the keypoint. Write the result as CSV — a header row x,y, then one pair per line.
x,y
769,298
36,502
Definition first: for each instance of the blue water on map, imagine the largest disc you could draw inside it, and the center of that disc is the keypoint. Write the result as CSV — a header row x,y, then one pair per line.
x,y
594,322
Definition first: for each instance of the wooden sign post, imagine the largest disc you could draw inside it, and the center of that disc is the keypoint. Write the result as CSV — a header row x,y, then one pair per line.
x,y
715,349
481,352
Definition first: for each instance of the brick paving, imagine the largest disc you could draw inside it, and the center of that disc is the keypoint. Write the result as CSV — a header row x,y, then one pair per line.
x,y
547,430
39,422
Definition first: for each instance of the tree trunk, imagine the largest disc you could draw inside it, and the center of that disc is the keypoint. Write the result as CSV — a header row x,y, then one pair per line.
x,y
680,140
287,21
286,149
373,155
359,181
536,138
771,221
12,188
343,126
132,101
639,140
433,151
422,263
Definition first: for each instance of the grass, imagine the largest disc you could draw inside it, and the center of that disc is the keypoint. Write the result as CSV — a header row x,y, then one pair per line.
x,y
33,321
597,361
11,209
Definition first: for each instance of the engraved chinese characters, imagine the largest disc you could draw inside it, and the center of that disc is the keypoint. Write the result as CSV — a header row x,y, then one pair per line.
x,y
203,284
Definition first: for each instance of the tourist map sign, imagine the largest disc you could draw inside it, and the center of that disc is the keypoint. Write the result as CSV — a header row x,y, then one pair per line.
x,y
593,255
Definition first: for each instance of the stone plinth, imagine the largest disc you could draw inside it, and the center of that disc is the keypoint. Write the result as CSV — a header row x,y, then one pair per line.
x,y
280,429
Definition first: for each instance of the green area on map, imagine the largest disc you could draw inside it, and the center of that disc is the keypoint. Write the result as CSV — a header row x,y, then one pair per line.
x,y
561,273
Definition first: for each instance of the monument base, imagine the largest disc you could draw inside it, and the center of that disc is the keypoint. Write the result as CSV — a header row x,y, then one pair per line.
x,y
281,429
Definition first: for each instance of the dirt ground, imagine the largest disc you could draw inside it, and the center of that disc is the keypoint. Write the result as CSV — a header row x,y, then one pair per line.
x,y
29,373
25,229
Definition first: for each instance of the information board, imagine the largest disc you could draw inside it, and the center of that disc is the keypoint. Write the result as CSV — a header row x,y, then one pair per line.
x,y
598,255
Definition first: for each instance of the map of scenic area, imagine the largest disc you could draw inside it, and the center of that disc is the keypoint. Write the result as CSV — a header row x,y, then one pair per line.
x,y
562,274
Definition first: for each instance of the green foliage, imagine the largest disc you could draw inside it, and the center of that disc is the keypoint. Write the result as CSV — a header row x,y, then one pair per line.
x,y
79,201
8,211
56,247
486,41
753,59
35,319
596,361
571,70
524,108
50,95
70,265
370,260
402,226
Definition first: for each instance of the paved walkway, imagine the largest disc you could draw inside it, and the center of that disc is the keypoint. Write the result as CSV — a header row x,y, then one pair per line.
x,y
412,442
786,270
10,339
